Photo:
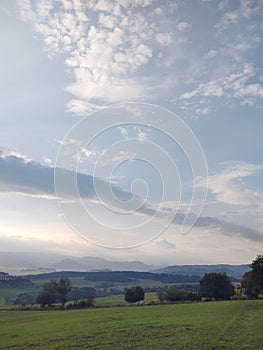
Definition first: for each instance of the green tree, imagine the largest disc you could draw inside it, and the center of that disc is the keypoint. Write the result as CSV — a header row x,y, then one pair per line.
x,y
175,294
161,295
54,291
134,294
257,273
51,287
63,288
216,285
90,294
248,284
45,298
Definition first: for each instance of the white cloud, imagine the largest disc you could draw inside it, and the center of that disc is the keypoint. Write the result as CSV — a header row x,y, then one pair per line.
x,y
123,156
181,26
234,88
211,54
164,39
101,55
112,51
81,107
246,9
229,186
123,131
142,136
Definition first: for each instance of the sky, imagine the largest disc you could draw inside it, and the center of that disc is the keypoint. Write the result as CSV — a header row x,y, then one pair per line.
x,y
132,129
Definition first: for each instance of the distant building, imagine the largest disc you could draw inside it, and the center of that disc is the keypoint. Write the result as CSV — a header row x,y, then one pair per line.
x,y
4,276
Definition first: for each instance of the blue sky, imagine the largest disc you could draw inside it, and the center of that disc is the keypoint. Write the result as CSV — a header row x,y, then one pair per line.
x,y
186,77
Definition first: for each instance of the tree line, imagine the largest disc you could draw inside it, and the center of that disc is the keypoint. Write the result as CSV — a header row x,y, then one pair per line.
x,y
216,286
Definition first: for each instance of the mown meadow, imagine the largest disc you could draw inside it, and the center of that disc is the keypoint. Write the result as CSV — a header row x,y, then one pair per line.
x,y
210,325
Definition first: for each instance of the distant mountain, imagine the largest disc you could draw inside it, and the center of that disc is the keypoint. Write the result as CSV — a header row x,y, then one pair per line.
x,y
17,262
34,263
94,263
235,271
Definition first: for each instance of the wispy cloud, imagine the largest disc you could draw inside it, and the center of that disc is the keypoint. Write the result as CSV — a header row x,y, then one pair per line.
x,y
229,228
229,186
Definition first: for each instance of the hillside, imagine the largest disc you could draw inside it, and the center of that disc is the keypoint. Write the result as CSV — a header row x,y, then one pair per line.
x,y
235,271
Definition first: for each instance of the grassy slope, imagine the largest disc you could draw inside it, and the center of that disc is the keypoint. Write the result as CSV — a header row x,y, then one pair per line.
x,y
215,325
12,293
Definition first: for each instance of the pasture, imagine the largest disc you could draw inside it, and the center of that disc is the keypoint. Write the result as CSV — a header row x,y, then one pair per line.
x,y
211,325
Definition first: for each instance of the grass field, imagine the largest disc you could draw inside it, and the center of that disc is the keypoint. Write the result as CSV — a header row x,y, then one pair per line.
x,y
215,325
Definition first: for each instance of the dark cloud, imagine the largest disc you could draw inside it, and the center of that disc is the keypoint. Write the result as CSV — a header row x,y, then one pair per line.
x,y
17,174
27,177
229,228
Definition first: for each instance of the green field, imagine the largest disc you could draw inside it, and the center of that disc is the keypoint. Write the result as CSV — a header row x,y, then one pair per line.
x,y
213,325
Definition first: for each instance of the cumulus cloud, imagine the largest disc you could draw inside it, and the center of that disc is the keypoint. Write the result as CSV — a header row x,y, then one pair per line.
x,y
100,55
164,38
182,26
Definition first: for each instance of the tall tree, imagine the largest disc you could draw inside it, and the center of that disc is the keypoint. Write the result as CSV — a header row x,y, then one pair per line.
x,y
216,285
257,273
51,288
54,291
63,288
45,298
248,284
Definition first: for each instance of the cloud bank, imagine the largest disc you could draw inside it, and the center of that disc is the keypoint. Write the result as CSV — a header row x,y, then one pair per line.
x,y
23,176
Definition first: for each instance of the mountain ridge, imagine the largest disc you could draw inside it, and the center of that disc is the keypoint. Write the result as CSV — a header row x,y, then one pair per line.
x,y
24,263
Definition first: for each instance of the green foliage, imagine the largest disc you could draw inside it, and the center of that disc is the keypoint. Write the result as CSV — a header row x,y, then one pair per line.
x,y
257,273
63,288
51,287
134,294
80,304
86,294
16,282
216,285
54,291
252,281
121,276
248,284
176,294
45,298
25,299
